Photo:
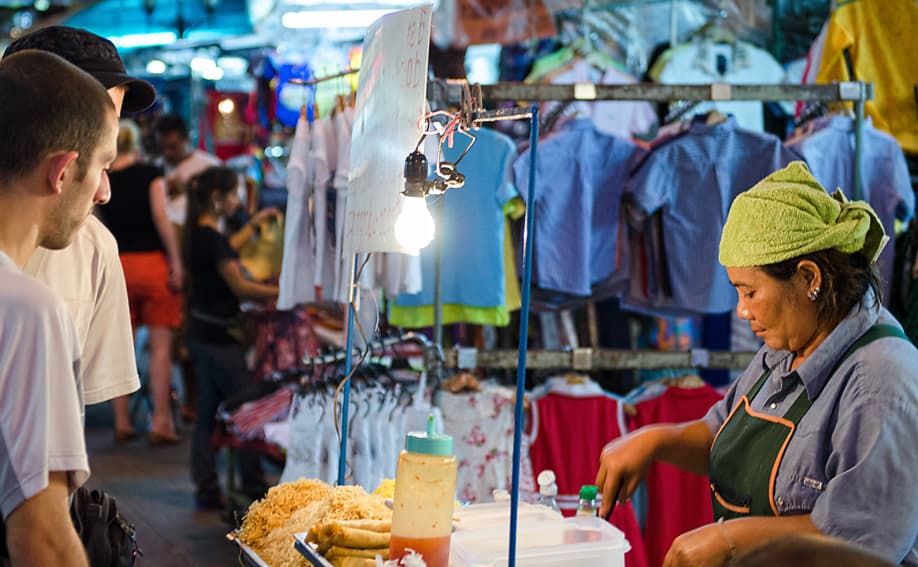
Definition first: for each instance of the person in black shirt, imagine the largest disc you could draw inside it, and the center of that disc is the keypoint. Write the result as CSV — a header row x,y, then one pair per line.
x,y
216,285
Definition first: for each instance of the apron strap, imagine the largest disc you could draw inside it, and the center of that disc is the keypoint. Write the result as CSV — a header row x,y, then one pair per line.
x,y
758,385
803,402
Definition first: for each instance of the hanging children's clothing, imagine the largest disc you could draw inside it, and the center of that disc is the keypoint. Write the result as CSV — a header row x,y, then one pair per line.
x,y
702,62
296,278
470,240
691,180
571,424
580,182
622,118
827,145
481,424
677,501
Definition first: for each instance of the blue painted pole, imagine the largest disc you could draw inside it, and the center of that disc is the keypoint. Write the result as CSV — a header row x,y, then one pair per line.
x,y
524,333
348,361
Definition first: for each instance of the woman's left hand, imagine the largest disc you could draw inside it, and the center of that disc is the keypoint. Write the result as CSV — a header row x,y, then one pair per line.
x,y
702,547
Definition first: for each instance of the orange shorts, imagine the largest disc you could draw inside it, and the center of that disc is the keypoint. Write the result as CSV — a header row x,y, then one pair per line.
x,y
152,302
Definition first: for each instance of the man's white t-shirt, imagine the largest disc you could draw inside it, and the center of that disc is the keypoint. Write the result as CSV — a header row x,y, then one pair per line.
x,y
198,161
41,408
88,277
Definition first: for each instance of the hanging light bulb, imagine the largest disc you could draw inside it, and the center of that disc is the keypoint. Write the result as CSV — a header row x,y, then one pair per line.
x,y
414,227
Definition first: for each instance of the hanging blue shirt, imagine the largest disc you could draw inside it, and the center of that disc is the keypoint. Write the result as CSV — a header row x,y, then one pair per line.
x,y
291,97
694,178
827,146
581,178
470,227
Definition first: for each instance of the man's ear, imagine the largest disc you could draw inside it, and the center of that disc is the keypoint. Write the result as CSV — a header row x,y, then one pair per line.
x,y
58,167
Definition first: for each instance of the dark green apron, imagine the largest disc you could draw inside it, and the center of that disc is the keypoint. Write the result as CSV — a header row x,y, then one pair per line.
x,y
748,449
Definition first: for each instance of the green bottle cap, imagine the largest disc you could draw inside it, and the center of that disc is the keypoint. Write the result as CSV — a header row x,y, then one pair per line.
x,y
588,492
429,442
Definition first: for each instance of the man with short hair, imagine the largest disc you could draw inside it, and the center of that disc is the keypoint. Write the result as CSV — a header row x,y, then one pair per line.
x,y
50,179
88,275
181,162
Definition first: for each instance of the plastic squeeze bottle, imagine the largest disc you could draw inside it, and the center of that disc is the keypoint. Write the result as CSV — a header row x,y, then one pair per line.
x,y
587,506
425,489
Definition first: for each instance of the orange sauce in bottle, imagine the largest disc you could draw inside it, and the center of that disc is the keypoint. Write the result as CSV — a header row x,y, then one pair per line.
x,y
434,550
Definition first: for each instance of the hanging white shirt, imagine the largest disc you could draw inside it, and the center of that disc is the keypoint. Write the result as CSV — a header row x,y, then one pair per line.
x,y
296,281
705,62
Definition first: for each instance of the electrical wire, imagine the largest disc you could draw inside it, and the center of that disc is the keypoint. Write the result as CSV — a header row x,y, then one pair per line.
x,y
363,357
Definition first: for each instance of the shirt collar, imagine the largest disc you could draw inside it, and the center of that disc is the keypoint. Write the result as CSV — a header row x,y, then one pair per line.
x,y
586,389
814,372
845,123
576,124
699,127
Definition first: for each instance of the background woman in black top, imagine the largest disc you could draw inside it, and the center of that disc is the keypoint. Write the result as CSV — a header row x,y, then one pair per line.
x,y
216,286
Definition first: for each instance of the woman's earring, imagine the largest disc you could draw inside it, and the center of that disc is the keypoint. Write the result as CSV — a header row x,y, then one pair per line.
x,y
814,294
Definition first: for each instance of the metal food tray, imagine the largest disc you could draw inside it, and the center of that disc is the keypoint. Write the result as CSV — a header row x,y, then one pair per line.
x,y
248,555
308,551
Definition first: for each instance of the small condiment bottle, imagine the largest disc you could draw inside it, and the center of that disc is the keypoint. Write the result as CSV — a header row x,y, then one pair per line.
x,y
425,491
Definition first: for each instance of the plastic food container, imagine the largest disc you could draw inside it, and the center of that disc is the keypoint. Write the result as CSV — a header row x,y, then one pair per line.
x,y
561,543
497,515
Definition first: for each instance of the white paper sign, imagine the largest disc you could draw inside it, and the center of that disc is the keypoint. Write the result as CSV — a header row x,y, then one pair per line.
x,y
391,96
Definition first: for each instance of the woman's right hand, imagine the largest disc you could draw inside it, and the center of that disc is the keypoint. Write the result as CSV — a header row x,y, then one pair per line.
x,y
623,465
264,215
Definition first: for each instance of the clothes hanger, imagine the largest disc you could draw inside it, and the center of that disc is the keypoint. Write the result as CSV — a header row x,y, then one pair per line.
x,y
684,381
715,117
461,382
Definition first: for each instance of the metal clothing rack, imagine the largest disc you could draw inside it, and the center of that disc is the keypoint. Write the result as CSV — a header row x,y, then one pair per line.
x,y
471,99
588,359
450,92
318,80
851,91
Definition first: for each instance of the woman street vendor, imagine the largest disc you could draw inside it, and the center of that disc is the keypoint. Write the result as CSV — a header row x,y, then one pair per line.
x,y
818,434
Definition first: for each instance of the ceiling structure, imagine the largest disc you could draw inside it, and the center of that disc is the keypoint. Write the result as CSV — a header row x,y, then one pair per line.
x,y
134,23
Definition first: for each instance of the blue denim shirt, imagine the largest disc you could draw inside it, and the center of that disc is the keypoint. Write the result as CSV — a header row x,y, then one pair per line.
x,y
853,461
694,178
579,187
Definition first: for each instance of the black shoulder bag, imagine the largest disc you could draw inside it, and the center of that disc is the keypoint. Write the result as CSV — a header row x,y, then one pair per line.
x,y
107,537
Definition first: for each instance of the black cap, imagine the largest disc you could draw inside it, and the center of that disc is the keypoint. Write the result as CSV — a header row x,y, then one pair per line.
x,y
93,54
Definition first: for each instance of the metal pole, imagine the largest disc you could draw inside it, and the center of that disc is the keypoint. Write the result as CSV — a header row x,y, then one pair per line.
x,y
673,37
524,333
348,361
438,265
858,144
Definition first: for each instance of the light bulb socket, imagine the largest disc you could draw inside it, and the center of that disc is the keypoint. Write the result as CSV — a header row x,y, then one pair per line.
x,y
416,168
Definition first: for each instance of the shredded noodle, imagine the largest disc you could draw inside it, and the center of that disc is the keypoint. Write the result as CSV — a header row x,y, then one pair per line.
x,y
293,507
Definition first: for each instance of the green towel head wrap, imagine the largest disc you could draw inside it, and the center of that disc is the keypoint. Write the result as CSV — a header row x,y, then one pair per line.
x,y
789,214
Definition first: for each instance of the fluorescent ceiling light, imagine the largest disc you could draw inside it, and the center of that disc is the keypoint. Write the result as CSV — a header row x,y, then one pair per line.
x,y
213,74
319,19
233,65
143,39
379,4
156,67
202,64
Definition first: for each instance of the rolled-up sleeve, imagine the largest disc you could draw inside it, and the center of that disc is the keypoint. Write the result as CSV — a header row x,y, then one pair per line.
x,y
872,479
